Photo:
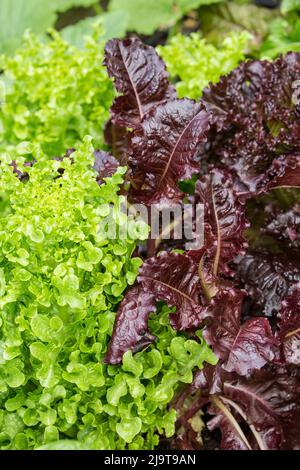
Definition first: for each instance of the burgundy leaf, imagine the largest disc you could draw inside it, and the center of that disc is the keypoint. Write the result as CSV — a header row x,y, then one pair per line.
x,y
164,150
131,325
224,216
268,279
290,327
140,75
209,379
173,278
105,165
117,138
284,172
255,120
21,175
268,400
233,437
291,432
283,225
242,348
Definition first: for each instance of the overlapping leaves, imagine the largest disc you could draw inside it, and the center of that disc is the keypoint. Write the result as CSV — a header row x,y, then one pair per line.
x,y
245,144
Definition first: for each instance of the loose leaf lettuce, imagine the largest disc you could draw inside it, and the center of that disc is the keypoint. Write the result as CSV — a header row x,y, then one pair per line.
x,y
141,77
61,280
193,62
54,94
257,124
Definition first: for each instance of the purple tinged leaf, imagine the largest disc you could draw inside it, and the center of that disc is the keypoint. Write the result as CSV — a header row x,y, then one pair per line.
x,y
164,150
131,326
290,327
283,225
233,437
255,120
268,279
209,379
21,175
224,216
140,75
105,165
117,138
260,409
268,400
283,173
242,348
173,278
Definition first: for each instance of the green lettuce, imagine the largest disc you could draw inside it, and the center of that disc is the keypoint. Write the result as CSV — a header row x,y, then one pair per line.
x,y
53,94
195,63
61,280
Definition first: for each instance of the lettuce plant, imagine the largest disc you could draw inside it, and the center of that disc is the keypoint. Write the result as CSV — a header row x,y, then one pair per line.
x,y
240,143
61,279
54,94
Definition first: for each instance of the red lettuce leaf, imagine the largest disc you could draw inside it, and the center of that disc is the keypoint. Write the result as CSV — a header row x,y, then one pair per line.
x,y
268,400
131,325
117,138
259,410
242,348
105,165
268,279
164,151
255,120
283,225
289,326
21,175
283,173
224,216
140,75
233,437
173,278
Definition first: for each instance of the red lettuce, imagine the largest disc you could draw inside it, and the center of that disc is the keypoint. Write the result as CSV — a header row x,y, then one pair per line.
x,y
289,327
164,150
242,140
283,225
140,75
242,347
225,219
131,326
256,124
255,412
268,279
105,164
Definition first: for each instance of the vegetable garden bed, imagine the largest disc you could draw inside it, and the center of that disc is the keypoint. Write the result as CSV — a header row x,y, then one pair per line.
x,y
119,330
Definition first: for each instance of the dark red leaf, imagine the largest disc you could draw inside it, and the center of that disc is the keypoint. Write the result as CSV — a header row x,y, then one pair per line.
x,y
131,325
105,165
268,400
224,217
283,173
117,138
256,120
21,175
140,75
209,379
242,348
290,327
268,279
233,437
283,225
164,151
173,278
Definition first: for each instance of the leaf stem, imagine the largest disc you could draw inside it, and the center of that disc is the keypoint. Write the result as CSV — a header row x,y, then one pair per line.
x,y
219,404
258,438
